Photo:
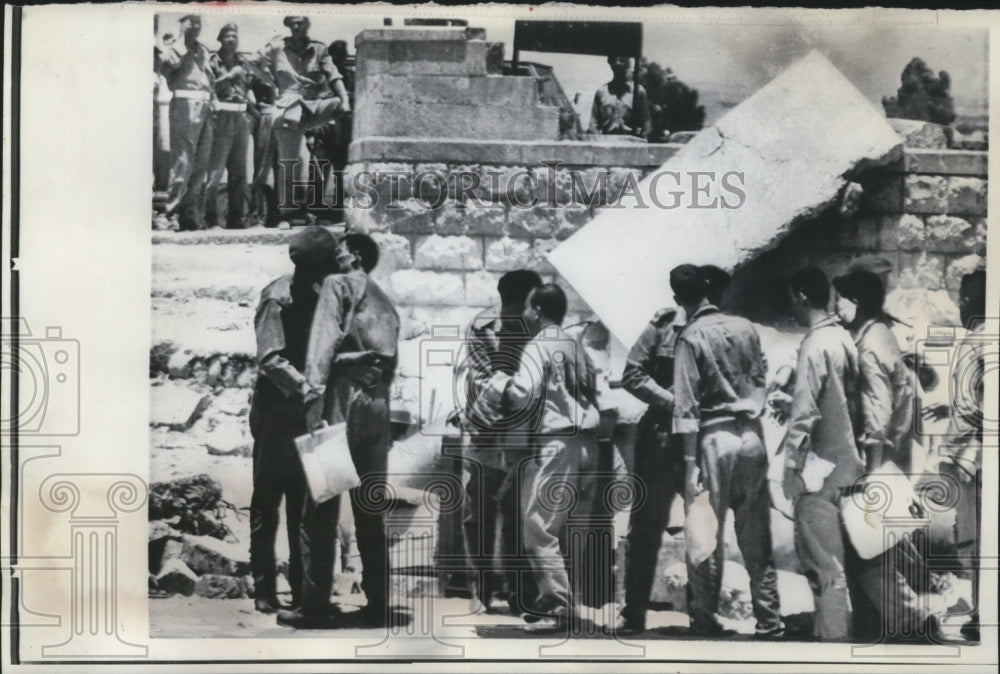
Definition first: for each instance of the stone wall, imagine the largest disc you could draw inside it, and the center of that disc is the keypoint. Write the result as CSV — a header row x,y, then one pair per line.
x,y
921,223
446,241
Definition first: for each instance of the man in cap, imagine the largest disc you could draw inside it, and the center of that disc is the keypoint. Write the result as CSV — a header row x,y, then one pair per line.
x,y
191,125
278,412
233,75
350,365
311,93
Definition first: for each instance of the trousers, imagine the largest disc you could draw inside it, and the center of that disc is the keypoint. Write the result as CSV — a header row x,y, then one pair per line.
x,y
733,466
557,494
295,191
277,474
366,412
659,466
230,145
191,130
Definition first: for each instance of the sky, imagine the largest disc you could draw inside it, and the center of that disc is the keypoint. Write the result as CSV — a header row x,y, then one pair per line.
x,y
725,59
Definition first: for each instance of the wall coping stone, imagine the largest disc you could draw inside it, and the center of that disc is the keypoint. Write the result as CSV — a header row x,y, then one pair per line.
x,y
523,153
946,162
423,33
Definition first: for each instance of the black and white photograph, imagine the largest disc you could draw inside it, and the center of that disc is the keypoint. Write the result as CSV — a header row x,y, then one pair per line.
x,y
527,336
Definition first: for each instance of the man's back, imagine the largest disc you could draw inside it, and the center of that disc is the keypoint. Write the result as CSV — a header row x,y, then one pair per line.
x,y
719,373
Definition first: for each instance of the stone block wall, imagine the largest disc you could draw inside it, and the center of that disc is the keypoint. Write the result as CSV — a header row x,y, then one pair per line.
x,y
445,240
443,83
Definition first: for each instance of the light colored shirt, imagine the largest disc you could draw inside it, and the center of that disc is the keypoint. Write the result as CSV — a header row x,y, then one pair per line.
x,y
188,71
232,83
620,113
886,388
649,368
719,370
826,383
308,73
549,389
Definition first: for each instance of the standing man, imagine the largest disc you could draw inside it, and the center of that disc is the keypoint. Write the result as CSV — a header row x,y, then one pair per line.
x,y
190,79
495,339
554,389
620,106
350,363
233,74
278,412
311,93
659,458
820,427
963,453
719,394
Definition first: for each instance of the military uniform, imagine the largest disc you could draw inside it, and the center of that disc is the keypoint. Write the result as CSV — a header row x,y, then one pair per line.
x,y
307,102
353,314
231,141
659,463
191,129
277,417
719,393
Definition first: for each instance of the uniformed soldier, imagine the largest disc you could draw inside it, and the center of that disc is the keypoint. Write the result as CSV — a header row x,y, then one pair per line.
x,y
350,365
659,462
311,93
191,125
233,74
278,412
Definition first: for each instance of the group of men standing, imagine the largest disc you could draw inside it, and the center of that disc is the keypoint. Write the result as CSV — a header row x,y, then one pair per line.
x,y
225,101
327,351
849,405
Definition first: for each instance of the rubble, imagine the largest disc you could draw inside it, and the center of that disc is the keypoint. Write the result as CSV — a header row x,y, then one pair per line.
x,y
205,554
229,436
214,586
193,504
176,406
176,577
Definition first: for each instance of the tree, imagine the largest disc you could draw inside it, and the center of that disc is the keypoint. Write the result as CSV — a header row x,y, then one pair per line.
x,y
673,104
922,95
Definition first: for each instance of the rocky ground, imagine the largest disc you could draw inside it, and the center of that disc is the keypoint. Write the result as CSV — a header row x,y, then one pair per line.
x,y
201,376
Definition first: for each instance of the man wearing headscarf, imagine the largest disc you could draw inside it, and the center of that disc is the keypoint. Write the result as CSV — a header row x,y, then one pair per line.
x,y
233,75
311,93
350,365
191,125
278,412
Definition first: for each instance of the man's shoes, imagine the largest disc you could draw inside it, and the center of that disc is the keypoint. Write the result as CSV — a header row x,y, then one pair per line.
x,y
629,627
774,634
712,629
547,624
301,620
266,604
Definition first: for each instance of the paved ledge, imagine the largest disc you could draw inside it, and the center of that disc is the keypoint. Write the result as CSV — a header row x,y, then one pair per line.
x,y
260,235
465,151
